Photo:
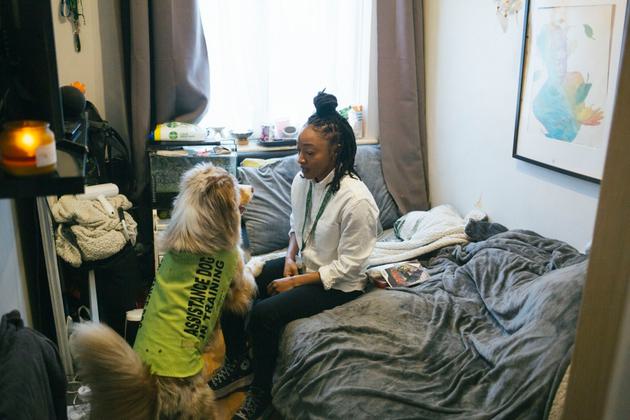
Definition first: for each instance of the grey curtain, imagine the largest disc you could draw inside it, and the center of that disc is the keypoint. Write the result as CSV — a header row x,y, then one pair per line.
x,y
167,68
401,102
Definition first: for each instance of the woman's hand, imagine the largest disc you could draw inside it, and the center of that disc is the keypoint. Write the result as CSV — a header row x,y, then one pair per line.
x,y
281,285
290,267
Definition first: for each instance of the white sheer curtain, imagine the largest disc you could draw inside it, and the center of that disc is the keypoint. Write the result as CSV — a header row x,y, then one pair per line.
x,y
268,58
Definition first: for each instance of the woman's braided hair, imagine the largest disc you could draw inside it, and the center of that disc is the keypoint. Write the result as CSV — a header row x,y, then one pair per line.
x,y
328,123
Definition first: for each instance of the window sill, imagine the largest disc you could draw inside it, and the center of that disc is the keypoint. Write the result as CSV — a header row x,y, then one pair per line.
x,y
253,147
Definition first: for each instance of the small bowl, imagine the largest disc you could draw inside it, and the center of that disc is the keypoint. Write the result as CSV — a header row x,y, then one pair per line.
x,y
242,135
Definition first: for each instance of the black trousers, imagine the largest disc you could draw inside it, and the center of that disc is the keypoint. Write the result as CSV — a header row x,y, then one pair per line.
x,y
270,314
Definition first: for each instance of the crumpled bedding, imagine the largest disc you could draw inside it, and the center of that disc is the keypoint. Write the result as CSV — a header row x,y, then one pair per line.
x,y
490,335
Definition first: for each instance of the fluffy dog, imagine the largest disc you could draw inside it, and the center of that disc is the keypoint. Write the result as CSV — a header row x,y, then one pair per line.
x,y
202,273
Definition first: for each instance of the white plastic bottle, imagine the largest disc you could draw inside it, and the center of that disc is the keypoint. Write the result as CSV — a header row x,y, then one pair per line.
x,y
179,131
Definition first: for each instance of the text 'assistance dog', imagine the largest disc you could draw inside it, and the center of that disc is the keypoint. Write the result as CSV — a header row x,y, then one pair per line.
x,y
202,273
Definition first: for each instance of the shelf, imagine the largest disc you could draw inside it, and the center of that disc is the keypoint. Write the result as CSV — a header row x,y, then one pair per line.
x,y
35,186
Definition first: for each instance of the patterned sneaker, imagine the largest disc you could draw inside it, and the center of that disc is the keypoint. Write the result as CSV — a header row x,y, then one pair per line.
x,y
233,375
257,405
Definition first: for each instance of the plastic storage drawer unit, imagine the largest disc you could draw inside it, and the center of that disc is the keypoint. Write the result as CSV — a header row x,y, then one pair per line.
x,y
167,167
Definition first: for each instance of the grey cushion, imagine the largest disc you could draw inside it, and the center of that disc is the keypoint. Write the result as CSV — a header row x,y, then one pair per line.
x,y
266,218
368,165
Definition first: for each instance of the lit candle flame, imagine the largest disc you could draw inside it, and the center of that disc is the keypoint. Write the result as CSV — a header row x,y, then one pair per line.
x,y
28,142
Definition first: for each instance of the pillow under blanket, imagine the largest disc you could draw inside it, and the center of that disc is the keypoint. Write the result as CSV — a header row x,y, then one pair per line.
x,y
266,217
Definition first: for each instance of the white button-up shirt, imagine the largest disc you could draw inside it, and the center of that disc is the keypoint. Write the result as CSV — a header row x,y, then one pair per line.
x,y
346,231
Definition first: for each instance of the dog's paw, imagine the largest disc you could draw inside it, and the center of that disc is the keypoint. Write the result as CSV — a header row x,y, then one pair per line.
x,y
255,266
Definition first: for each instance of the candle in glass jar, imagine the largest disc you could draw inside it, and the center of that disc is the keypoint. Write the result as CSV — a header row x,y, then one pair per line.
x,y
27,148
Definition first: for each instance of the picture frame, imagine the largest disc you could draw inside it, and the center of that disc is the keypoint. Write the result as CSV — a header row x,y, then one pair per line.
x,y
570,61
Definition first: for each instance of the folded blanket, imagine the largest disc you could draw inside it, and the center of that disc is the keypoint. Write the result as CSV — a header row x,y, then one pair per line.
x,y
87,233
421,232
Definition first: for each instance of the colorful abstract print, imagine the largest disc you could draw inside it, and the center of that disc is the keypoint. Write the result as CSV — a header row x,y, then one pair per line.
x,y
560,104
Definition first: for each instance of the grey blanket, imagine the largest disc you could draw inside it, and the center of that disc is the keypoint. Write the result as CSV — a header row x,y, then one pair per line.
x,y
489,336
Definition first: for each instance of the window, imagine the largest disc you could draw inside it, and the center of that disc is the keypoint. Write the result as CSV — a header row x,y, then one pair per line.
x,y
268,59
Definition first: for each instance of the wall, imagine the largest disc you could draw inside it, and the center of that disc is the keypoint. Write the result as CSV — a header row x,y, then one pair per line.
x,y
12,277
99,65
472,70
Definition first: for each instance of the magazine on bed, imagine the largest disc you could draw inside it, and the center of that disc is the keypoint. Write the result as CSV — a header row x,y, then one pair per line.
x,y
400,274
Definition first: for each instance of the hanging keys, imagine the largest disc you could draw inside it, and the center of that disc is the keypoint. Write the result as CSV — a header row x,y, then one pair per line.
x,y
75,32
72,10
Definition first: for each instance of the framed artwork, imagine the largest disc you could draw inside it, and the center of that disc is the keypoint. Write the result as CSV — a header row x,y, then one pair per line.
x,y
569,69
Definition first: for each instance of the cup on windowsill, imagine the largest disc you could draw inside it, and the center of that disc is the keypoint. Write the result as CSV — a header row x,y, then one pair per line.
x,y
289,132
266,132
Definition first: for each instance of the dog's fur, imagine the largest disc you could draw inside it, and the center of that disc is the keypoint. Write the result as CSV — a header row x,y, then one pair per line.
x,y
205,220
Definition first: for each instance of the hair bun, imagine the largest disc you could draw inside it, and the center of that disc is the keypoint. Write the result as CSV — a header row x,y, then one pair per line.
x,y
325,104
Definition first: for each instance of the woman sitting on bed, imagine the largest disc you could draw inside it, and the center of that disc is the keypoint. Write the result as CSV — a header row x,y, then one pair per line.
x,y
334,223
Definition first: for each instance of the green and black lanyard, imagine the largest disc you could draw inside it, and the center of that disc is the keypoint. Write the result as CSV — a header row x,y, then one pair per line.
x,y
307,213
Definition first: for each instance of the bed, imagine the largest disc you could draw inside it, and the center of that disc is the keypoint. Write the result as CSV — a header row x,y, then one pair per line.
x,y
489,335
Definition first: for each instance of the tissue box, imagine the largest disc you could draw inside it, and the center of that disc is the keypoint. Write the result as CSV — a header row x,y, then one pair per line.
x,y
167,167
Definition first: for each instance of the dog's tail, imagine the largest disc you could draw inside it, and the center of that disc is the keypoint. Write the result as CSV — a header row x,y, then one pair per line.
x,y
122,386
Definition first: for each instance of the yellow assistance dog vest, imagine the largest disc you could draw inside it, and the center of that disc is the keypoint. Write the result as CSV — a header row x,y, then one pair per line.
x,y
181,311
